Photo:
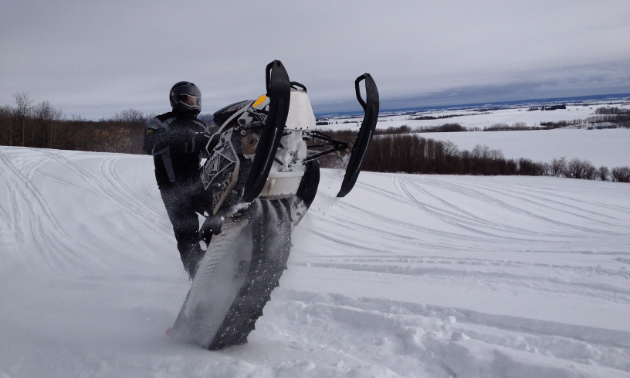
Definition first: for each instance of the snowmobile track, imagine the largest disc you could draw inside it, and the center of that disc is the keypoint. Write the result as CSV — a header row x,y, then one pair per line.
x,y
255,266
256,292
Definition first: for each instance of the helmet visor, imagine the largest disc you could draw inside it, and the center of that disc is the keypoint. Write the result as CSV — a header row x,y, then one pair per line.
x,y
191,101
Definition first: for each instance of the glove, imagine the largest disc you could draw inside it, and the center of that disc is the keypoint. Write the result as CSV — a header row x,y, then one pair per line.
x,y
200,140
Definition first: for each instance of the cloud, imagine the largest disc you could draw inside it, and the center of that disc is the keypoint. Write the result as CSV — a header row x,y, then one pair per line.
x,y
98,58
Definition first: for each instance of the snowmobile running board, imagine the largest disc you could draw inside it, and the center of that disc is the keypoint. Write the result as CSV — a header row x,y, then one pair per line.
x,y
359,150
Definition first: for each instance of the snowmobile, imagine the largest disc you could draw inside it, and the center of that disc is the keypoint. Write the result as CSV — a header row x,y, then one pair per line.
x,y
262,175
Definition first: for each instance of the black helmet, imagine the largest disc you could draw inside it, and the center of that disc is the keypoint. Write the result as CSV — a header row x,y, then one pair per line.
x,y
185,99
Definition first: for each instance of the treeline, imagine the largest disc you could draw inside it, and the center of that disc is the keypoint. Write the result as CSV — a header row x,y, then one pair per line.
x,y
507,127
414,154
608,117
392,150
547,107
404,129
445,128
451,128
428,118
605,121
613,110
41,125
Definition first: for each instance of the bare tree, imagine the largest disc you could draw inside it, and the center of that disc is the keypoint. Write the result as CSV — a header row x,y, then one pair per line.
x,y
590,172
47,116
480,152
603,173
23,103
574,169
579,169
130,116
496,154
6,124
558,167
621,174
450,148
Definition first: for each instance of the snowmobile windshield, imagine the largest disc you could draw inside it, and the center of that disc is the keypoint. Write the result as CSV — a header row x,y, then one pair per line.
x,y
191,101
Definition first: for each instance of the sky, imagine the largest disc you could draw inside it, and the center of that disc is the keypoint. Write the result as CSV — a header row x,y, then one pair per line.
x,y
95,59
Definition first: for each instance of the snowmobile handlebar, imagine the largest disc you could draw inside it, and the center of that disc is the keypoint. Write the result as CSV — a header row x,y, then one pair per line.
x,y
268,70
295,84
370,88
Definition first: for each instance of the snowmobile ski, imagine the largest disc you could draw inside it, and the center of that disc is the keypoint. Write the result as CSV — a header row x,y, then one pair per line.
x,y
278,91
360,147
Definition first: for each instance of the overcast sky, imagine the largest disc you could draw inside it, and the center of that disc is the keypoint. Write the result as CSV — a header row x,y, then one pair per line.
x,y
97,58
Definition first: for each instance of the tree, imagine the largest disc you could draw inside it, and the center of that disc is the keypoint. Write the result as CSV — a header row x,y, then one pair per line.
x,y
590,172
130,116
579,169
558,167
603,173
621,174
23,103
6,124
46,116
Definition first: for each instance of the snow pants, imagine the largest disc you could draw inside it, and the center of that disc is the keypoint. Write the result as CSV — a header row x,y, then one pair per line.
x,y
182,202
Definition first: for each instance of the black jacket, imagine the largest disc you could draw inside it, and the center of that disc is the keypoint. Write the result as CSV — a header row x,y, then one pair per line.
x,y
176,144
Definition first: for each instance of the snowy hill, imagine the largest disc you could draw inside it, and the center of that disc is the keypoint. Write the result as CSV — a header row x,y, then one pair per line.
x,y
408,275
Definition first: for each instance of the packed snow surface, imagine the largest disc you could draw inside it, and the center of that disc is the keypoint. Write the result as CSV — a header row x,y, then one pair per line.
x,y
409,275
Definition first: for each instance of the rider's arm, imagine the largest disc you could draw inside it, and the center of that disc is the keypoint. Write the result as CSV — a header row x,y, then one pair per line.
x,y
158,136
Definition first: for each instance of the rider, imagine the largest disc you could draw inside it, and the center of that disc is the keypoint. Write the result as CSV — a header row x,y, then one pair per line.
x,y
177,140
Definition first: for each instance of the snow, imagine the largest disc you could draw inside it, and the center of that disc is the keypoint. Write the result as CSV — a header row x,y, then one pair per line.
x,y
408,275
608,147
482,118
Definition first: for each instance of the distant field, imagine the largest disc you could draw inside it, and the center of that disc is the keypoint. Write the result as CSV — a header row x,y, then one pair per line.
x,y
475,118
610,148
509,116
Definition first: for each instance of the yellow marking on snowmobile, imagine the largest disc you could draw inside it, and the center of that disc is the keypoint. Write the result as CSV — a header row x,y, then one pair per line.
x,y
259,101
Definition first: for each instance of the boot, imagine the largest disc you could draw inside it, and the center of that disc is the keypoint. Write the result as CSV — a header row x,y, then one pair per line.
x,y
192,260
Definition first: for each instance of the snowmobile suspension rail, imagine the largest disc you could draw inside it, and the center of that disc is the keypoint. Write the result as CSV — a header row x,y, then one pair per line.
x,y
336,145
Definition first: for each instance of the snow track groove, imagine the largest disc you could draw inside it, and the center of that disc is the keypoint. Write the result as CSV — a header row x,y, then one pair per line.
x,y
60,240
494,201
110,187
56,246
